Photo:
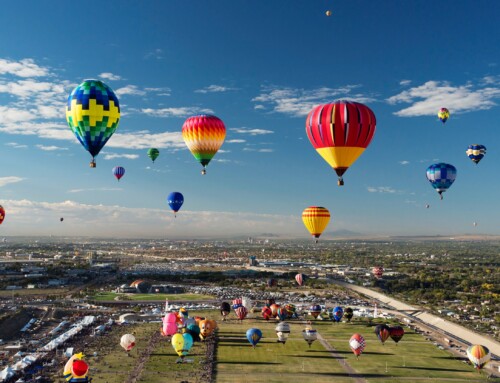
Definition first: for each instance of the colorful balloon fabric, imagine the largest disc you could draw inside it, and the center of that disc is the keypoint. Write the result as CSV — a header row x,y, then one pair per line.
x,y
316,219
169,324
127,341
357,344
443,114
203,135
314,311
383,332
282,313
241,312
266,313
274,310
282,332
310,335
2,214
441,176
175,201
348,314
340,132
93,113
76,369
207,327
396,333
153,153
118,172
300,279
478,355
182,343
378,271
476,152
337,314
238,302
253,336
194,330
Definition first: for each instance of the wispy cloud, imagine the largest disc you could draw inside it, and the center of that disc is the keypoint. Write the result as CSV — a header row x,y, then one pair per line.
x,y
382,189
214,89
9,180
93,189
112,156
50,148
15,145
235,141
426,99
299,102
22,68
251,132
145,139
110,76
131,90
404,162
405,82
176,112
154,54
265,150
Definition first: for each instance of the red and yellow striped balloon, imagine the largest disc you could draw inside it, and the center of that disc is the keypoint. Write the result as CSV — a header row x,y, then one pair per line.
x,y
204,135
316,219
340,132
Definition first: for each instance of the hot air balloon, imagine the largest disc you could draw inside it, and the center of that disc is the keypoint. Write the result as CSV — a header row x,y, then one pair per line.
x,y
427,206
443,114
118,172
2,214
272,282
474,224
282,313
207,327
357,344
225,309
348,314
314,311
266,313
476,152
478,355
282,332
76,369
441,176
337,314
175,201
169,324
247,302
194,330
291,309
316,219
300,279
93,113
310,335
340,132
127,341
274,310
396,333
382,331
378,271
61,219
153,153
241,312
238,302
182,343
203,135
328,13
253,336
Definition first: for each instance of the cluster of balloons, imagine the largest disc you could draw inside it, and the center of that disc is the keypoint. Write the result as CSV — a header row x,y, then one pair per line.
x,y
383,332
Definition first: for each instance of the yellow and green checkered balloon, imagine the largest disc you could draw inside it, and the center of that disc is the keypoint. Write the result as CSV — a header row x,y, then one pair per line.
x,y
93,113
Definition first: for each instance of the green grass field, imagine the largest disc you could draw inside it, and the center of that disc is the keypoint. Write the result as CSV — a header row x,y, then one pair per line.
x,y
151,297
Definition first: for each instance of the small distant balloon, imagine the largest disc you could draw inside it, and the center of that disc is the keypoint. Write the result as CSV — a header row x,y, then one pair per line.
x,y
427,206
476,152
153,153
61,219
328,13
443,114
474,224
118,172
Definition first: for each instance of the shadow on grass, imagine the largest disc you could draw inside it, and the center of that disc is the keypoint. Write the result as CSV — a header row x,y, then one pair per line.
x,y
245,363
432,369
376,353
345,375
315,356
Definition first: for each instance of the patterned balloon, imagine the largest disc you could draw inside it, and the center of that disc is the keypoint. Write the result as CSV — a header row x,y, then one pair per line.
x,y
441,176
340,132
443,114
2,214
337,314
396,333
282,313
476,152
282,332
241,312
93,113
300,279
253,336
478,355
310,335
314,311
378,271
182,343
316,219
203,135
382,331
118,172
266,313
357,344
238,302
175,201
153,153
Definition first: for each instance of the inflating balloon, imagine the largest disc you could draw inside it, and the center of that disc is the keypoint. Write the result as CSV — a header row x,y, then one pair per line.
x,y
127,341
225,309
348,314
310,335
182,343
76,369
337,314
383,332
396,333
282,332
314,311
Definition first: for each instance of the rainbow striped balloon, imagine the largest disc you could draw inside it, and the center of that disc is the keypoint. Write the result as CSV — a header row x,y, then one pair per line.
x,y
204,135
478,355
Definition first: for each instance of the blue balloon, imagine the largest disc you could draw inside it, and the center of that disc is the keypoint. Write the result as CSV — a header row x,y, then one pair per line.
x,y
253,336
337,314
175,201
476,152
441,176
118,172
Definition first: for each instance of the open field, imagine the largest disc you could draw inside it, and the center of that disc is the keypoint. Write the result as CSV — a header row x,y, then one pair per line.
x,y
151,297
32,292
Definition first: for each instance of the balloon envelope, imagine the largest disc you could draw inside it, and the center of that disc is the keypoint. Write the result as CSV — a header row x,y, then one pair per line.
x,y
478,355
378,271
182,343
443,114
2,214
357,344
253,336
118,172
153,153
337,314
349,313
476,152
382,331
396,333
300,279
127,341
316,219
93,113
441,176
225,308
241,312
175,201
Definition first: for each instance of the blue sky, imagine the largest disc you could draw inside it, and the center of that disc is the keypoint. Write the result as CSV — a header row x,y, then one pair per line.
x,y
260,66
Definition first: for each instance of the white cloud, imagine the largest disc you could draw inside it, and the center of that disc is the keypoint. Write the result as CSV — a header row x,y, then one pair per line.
x,y
22,68
93,190
214,89
144,140
405,82
50,148
252,132
404,162
154,54
165,91
428,98
299,102
176,112
112,156
265,150
9,180
15,145
382,189
110,76
236,141
132,90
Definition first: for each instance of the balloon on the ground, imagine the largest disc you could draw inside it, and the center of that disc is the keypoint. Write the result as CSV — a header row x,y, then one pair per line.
x,y
247,302
443,114
441,176
194,330
274,309
337,313
340,132
76,369
241,312
310,335
378,271
175,201
169,327
238,302
478,355
182,343
127,341
300,279
348,313
225,309
282,332
266,313
383,332
315,220
207,327
357,344
153,153
253,336
203,135
118,172
396,333
282,313
93,113
476,152
314,311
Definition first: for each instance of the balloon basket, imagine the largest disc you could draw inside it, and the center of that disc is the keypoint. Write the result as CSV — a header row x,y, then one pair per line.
x,y
92,164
